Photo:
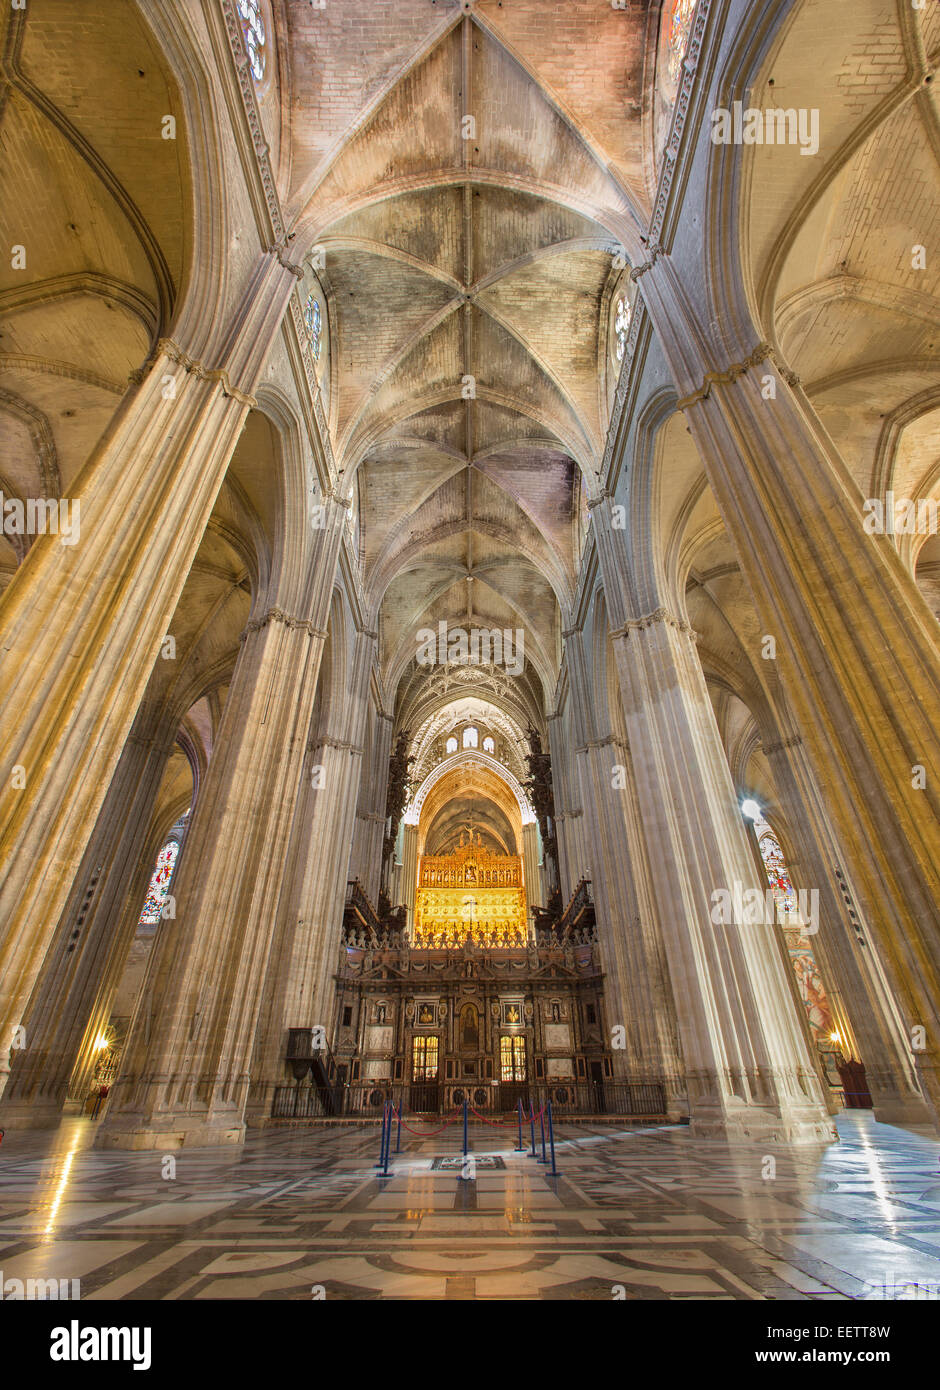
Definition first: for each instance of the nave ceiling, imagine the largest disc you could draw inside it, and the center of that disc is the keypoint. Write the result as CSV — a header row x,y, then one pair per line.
x,y
469,283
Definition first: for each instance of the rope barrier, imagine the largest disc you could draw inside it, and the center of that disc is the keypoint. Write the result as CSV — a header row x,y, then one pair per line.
x,y
497,1124
503,1124
429,1134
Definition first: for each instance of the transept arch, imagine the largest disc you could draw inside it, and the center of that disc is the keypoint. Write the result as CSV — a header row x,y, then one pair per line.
x,y
492,773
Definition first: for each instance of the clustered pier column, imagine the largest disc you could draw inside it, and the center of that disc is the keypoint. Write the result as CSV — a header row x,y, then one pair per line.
x,y
186,1065
81,625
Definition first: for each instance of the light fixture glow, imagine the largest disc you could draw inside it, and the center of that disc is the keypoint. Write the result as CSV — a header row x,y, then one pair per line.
x,y
751,810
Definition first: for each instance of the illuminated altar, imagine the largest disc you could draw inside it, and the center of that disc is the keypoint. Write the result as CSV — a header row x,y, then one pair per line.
x,y
471,892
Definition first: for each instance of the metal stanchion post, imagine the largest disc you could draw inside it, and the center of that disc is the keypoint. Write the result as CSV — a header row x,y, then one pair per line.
x,y
544,1158
532,1126
382,1140
520,1147
553,1172
388,1139
466,1146
398,1143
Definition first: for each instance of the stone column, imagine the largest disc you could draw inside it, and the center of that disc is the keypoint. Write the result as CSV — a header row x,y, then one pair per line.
x,y
300,989
409,871
534,892
850,965
81,624
71,1003
366,860
856,642
185,1072
637,994
324,885
393,878
748,1071
569,817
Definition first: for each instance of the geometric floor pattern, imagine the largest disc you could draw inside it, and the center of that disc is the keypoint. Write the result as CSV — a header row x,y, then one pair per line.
x,y
635,1214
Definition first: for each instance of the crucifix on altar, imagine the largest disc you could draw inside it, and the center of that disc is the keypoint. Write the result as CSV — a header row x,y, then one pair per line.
x,y
469,907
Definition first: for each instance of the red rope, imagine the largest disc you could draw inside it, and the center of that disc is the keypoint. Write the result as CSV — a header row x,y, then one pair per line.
x,y
429,1134
502,1124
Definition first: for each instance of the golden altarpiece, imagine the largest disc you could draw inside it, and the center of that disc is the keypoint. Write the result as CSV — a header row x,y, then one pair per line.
x,y
471,892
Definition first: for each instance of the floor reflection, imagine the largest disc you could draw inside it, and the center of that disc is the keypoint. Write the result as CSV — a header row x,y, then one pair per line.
x,y
652,1212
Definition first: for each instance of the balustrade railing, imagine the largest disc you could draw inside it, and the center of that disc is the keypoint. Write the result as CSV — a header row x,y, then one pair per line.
x,y
580,907
625,1099
364,929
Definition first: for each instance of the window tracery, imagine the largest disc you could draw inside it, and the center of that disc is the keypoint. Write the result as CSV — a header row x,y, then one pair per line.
x,y
622,326
775,865
253,30
313,322
809,980
680,26
159,887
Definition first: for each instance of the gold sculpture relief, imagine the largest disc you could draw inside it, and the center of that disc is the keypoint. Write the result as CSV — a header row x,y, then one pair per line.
x,y
470,893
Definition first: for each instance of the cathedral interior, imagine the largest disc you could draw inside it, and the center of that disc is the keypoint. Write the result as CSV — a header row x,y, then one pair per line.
x,y
469,581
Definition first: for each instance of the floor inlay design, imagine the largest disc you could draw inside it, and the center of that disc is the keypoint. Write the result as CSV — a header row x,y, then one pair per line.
x,y
456,1162
635,1214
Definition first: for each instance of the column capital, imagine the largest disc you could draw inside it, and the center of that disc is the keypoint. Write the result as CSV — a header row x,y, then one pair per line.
x,y
168,348
330,494
343,745
762,353
655,251
782,743
596,743
659,615
153,742
277,615
279,251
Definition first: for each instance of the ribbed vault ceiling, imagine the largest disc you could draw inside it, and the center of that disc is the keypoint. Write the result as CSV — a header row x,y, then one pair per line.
x,y
467,173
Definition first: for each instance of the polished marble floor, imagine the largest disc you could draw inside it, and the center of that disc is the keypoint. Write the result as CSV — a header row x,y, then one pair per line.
x,y
635,1214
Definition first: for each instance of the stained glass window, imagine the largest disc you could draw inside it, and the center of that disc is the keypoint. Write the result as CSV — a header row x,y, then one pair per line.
x,y
680,25
159,884
489,746
621,327
313,323
253,30
452,745
775,866
471,738
810,983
